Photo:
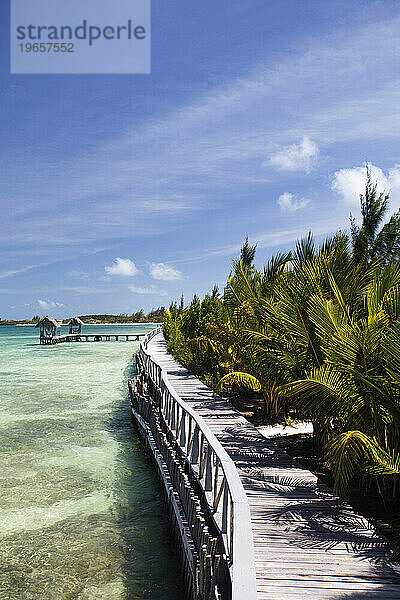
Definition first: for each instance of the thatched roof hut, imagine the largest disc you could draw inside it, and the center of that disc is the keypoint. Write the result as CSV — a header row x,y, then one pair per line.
x,y
47,323
75,325
48,327
75,322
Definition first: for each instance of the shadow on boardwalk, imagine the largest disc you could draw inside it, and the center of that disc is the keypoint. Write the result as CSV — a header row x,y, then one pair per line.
x,y
302,521
307,542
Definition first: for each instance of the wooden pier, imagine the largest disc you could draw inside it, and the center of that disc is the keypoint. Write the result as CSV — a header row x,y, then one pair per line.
x,y
95,337
49,327
287,538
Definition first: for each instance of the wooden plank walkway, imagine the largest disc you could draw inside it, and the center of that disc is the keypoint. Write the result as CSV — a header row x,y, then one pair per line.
x,y
92,337
307,542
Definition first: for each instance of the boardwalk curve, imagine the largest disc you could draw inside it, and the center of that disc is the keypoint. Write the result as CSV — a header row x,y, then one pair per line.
x,y
306,541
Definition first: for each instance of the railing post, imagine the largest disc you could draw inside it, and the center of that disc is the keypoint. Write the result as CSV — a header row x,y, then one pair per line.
x,y
225,509
182,436
208,478
194,456
173,421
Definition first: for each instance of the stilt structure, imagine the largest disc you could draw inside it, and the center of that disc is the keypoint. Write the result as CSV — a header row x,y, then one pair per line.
x,y
75,326
48,327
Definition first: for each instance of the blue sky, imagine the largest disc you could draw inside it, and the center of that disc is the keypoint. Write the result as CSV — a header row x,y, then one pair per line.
x,y
123,191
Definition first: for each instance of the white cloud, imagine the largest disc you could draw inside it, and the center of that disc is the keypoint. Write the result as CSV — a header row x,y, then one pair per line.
x,y
289,203
350,183
45,304
147,291
164,272
297,157
123,267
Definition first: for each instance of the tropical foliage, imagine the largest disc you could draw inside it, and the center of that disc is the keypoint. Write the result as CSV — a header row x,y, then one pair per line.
x,y
154,316
316,332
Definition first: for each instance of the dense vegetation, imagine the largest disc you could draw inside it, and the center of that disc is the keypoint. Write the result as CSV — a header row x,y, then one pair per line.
x,y
32,321
315,333
154,316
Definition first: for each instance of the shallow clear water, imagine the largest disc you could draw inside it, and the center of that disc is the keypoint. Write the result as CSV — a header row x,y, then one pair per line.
x,y
81,515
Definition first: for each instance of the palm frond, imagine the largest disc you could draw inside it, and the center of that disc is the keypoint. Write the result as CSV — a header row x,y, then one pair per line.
x,y
325,391
239,379
348,454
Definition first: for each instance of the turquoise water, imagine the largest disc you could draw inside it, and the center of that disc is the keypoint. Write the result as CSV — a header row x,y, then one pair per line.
x,y
81,516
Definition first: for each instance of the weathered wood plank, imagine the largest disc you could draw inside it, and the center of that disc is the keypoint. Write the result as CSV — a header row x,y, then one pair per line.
x,y
306,541
94,337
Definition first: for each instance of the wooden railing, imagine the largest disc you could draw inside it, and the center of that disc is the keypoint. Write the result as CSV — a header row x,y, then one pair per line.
x,y
149,336
212,474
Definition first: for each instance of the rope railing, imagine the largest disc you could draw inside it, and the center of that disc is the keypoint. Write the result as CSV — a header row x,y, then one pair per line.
x,y
214,470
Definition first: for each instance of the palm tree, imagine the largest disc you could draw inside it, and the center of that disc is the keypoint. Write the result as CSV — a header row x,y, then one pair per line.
x,y
276,337
356,388
317,329
370,243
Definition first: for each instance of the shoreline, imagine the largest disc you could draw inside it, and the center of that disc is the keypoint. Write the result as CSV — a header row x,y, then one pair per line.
x,y
91,324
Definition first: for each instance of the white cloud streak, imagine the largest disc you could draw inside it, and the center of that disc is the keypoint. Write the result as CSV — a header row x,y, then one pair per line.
x,y
47,304
12,272
219,141
79,274
268,239
151,291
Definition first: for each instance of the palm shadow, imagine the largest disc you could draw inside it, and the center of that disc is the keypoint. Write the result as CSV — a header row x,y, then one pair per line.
x,y
300,512
320,544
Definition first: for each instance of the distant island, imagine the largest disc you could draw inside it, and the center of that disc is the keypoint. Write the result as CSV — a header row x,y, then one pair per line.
x,y
154,316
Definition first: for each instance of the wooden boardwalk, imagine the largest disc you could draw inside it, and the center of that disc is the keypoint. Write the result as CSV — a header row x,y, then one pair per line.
x,y
308,544
93,337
